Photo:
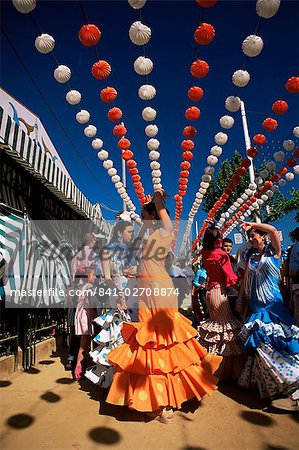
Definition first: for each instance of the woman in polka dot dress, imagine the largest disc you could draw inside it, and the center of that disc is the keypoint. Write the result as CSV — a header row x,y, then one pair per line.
x,y
160,365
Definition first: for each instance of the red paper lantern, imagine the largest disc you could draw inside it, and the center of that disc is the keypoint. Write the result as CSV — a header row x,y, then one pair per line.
x,y
124,143
131,164
195,93
115,114
182,187
282,171
259,139
262,189
133,171
185,165
199,68
177,198
204,34
236,179
137,185
296,152
108,94
292,85
184,173
291,162
182,193
187,156
89,35
252,152
280,107
189,132
245,162
127,154
275,177
241,170
187,145
101,70
183,180
268,184
192,113
119,130
253,199
136,178
269,124
206,3
257,194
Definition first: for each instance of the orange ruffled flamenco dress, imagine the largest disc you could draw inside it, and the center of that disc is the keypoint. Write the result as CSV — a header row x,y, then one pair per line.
x,y
160,364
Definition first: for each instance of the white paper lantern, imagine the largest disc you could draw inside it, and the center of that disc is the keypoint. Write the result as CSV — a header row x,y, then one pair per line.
x,y
232,103
212,160
24,6
102,155
296,169
154,155
264,197
62,74
216,150
155,165
149,114
230,211
124,195
248,192
282,182
264,174
206,178
118,184
198,201
82,116
143,66
139,33
260,201
279,156
271,165
146,92
112,171
240,78
44,43
156,173
252,186
221,138
97,144
121,190
269,193
244,196
90,131
151,130
107,164
259,180
209,170
157,186
289,176
227,122
115,179
153,144
202,190
73,97
137,4
252,45
288,145
296,132
267,8
240,201
204,185
198,195
274,188
156,180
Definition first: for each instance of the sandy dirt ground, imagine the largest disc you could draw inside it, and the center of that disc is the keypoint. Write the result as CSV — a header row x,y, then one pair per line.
x,y
44,409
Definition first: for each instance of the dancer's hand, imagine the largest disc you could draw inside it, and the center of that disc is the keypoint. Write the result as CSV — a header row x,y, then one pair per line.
x,y
246,225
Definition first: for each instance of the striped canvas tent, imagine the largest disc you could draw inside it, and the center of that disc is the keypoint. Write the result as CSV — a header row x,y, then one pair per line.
x,y
32,263
15,141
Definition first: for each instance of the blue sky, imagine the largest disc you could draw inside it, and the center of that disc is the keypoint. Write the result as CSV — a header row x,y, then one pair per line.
x,y
172,50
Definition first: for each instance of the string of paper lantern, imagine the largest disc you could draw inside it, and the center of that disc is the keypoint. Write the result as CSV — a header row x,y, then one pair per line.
x,y
203,35
140,34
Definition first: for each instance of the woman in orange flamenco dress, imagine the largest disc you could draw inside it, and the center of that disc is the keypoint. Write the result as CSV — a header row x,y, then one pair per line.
x,y
160,365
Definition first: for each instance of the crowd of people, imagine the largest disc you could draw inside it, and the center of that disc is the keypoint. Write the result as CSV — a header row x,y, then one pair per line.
x,y
128,327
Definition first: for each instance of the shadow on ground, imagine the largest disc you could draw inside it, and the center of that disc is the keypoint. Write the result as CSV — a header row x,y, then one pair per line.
x,y
104,435
19,421
242,396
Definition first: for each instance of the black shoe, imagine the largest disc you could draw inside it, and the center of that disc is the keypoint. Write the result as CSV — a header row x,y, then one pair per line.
x,y
69,365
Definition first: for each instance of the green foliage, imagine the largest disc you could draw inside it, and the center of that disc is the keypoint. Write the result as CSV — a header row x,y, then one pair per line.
x,y
275,208
219,184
